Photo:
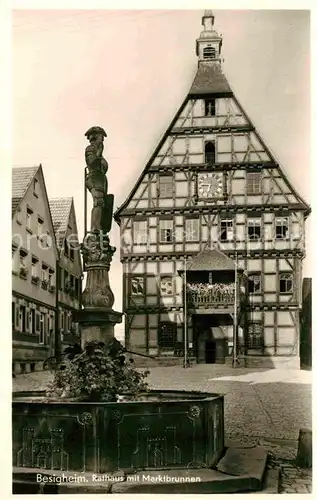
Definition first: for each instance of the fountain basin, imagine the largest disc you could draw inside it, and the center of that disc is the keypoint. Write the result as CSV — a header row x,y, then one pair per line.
x,y
159,430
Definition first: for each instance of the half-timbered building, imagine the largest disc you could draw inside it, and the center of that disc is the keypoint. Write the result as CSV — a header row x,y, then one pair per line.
x,y
213,195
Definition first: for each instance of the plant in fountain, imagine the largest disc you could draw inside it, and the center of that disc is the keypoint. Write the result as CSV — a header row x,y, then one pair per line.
x,y
99,372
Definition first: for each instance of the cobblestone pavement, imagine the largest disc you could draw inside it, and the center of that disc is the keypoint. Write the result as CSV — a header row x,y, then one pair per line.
x,y
266,407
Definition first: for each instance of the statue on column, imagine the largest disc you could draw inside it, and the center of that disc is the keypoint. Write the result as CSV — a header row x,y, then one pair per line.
x,y
96,181
96,249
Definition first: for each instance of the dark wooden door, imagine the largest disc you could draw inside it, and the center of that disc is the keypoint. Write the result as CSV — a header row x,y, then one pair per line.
x,y
210,351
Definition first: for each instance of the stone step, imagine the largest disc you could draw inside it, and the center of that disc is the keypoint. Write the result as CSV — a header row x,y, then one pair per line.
x,y
271,481
249,462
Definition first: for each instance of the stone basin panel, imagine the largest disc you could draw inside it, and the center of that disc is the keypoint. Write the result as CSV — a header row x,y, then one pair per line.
x,y
163,430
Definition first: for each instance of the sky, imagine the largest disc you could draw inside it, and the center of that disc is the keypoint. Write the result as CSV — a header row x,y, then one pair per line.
x,y
129,70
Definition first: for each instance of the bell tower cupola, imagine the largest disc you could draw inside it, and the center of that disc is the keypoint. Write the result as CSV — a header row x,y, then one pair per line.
x,y
208,45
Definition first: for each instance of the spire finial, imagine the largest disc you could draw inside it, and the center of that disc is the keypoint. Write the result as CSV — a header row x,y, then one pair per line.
x,y
208,45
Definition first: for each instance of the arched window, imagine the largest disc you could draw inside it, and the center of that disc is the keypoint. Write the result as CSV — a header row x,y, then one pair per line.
x,y
209,53
210,153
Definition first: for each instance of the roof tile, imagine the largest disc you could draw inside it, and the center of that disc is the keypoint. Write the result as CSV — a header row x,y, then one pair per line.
x,y
60,209
211,260
21,179
209,79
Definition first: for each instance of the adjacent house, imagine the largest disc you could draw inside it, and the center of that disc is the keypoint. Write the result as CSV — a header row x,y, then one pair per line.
x,y
34,258
69,271
211,196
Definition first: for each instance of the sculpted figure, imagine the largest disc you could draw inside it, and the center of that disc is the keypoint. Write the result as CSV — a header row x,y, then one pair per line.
x,y
96,178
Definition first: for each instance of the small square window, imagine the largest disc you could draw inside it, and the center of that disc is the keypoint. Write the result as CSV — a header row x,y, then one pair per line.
x,y
281,228
210,107
140,232
192,229
254,283
167,285
166,186
166,231
137,286
226,230
254,229
254,183
286,283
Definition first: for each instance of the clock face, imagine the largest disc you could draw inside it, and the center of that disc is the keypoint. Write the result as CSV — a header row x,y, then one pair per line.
x,y
210,185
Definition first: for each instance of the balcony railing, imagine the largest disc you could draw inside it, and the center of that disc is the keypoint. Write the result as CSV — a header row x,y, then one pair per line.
x,y
201,294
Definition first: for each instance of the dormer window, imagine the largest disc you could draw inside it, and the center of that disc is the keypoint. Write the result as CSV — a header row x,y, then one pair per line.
x,y
210,107
209,52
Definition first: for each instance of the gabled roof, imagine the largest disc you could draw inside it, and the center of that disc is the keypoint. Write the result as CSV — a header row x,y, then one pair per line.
x,y
60,211
211,260
21,179
210,79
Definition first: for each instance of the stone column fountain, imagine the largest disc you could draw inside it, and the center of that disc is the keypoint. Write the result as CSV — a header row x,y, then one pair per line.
x,y
97,319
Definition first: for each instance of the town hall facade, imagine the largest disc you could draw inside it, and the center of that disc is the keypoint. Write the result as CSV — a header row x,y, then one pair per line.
x,y
213,212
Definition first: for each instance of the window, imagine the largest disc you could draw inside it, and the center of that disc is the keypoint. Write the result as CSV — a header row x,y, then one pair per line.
x,y
50,276
19,216
71,253
40,225
23,256
210,153
44,272
22,318
137,285
65,279
65,248
35,187
255,337
14,263
34,267
140,232
192,229
209,53
13,315
29,214
32,321
166,285
61,276
166,186
210,278
254,229
23,268
210,107
76,287
281,228
166,230
286,283
42,329
254,183
254,283
167,335
226,230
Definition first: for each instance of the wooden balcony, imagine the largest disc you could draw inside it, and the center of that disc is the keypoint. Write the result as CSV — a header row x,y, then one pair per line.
x,y
211,297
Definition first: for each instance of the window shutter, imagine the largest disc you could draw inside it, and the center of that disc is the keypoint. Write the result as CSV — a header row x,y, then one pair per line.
x,y
17,317
27,319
